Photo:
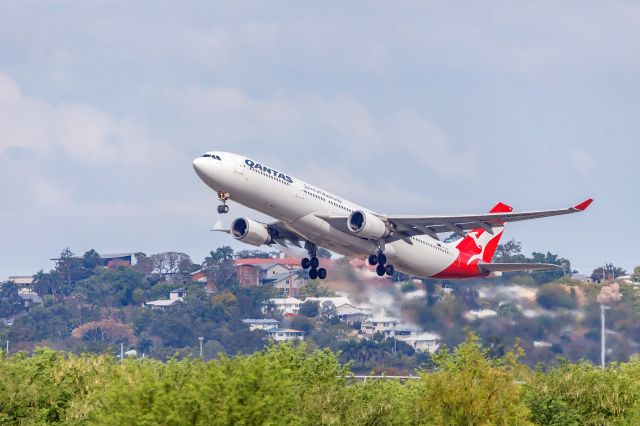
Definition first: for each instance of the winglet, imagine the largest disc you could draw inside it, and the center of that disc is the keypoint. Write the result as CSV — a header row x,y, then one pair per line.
x,y
218,228
583,205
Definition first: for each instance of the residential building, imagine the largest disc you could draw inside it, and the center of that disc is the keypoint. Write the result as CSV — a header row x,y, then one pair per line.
x,y
424,342
379,324
261,323
29,298
337,301
113,260
354,316
285,334
22,281
287,306
175,297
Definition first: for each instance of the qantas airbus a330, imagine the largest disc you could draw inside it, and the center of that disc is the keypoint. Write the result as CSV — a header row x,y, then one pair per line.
x,y
307,215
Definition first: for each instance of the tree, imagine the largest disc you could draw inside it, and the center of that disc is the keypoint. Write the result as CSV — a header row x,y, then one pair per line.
x,y
541,277
608,272
313,289
112,287
106,331
255,254
90,260
309,309
10,301
636,274
171,263
509,252
328,310
553,296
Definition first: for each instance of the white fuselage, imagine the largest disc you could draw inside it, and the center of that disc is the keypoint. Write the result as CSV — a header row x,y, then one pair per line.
x,y
296,204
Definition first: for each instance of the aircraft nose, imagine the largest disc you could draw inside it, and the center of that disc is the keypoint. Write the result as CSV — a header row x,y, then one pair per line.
x,y
199,166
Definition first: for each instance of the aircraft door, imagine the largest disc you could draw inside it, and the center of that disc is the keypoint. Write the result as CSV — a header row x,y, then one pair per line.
x,y
239,166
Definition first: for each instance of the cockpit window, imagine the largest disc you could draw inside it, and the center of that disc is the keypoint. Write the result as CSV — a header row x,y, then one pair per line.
x,y
215,157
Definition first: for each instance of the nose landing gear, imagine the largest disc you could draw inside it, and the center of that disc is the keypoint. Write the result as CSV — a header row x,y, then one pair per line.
x,y
313,263
223,197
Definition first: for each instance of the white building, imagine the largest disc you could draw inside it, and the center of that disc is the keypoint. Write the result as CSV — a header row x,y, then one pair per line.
x,y
352,315
285,334
175,296
379,324
287,305
424,342
337,301
261,323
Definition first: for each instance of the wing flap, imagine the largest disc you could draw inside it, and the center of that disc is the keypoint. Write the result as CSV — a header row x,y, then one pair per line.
x,y
517,267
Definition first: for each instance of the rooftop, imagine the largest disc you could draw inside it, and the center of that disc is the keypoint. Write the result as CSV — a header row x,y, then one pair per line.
x,y
259,321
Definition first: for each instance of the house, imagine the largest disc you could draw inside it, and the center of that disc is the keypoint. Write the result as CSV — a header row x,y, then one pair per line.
x,y
113,260
379,324
261,323
200,277
404,330
22,281
424,342
337,301
29,298
278,273
287,306
175,297
352,315
285,334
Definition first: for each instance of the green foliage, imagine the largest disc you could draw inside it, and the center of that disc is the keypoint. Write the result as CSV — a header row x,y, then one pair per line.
x,y
112,287
287,384
313,288
554,296
10,301
471,388
583,394
309,309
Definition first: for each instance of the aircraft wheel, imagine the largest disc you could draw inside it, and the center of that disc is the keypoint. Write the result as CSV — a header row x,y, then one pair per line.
x,y
322,273
306,263
373,260
389,270
315,262
313,273
225,209
382,259
221,209
381,270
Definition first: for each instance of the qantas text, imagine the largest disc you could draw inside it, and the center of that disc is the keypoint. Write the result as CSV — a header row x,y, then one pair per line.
x,y
268,170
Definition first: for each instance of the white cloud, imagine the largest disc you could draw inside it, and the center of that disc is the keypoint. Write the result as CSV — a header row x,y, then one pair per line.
x,y
341,125
83,132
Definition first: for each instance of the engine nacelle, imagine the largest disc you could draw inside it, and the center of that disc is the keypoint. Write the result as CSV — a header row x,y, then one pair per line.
x,y
250,232
367,225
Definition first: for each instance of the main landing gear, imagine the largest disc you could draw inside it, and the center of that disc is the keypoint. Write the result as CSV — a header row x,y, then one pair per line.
x,y
381,260
223,197
313,264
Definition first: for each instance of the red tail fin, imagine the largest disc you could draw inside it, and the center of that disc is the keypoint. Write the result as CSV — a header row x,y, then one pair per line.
x,y
481,245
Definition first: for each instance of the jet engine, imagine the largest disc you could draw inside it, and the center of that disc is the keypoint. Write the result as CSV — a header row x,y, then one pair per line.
x,y
367,225
250,232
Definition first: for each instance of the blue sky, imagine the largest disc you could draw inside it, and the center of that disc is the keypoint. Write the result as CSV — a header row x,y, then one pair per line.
x,y
426,107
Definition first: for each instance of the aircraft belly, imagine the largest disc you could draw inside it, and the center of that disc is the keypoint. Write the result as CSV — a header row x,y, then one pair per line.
x,y
322,233
419,260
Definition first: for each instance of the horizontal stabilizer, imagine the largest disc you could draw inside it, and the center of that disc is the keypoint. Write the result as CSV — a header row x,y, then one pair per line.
x,y
516,267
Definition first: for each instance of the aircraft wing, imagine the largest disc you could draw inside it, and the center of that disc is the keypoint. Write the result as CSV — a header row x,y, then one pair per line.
x,y
516,267
406,226
410,225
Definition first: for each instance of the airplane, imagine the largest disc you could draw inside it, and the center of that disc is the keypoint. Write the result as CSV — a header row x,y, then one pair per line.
x,y
310,216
